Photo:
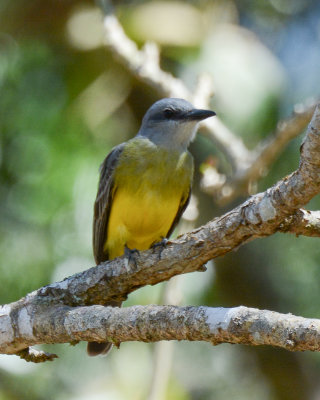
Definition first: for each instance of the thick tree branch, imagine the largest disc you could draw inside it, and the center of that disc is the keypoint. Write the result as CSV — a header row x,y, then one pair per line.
x,y
154,323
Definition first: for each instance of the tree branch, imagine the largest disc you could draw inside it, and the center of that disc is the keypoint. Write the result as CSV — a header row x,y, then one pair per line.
x,y
154,323
262,157
268,151
303,222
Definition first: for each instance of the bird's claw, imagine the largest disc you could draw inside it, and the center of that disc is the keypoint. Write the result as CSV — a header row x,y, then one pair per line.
x,y
162,245
131,255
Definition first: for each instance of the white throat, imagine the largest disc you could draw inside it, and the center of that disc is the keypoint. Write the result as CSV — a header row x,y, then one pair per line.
x,y
171,134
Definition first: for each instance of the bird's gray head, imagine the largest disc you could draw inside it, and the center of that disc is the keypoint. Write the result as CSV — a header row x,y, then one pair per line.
x,y
172,122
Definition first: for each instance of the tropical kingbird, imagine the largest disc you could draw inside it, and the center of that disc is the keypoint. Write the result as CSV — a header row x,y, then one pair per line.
x,y
145,185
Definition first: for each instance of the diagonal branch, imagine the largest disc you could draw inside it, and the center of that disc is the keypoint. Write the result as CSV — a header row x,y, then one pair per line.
x,y
267,151
262,157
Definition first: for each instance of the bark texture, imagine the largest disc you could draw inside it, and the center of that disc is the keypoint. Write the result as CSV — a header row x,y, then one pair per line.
x,y
154,323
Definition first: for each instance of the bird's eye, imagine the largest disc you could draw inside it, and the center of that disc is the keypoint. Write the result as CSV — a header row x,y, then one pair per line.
x,y
169,112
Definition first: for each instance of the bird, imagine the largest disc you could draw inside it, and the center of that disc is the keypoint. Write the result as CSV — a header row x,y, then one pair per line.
x,y
145,186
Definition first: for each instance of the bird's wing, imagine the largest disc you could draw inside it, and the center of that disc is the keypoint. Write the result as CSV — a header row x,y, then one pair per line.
x,y
102,205
183,205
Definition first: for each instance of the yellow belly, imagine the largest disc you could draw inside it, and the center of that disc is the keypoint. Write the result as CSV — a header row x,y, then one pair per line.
x,y
150,182
137,220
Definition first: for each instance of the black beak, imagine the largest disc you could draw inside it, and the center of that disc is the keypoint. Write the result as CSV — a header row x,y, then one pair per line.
x,y
199,115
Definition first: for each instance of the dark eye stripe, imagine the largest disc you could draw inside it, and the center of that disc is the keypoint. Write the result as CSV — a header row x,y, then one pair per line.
x,y
169,113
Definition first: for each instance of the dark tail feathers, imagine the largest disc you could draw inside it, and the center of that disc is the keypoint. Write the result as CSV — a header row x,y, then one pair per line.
x,y
96,348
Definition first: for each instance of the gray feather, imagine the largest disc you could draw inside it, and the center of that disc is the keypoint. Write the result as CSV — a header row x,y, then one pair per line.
x,y
102,205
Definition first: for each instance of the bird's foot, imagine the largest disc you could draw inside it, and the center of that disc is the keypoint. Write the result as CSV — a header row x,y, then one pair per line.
x,y
162,245
131,255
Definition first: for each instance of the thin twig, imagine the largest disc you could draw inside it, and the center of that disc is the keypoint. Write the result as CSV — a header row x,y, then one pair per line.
x,y
262,157
36,356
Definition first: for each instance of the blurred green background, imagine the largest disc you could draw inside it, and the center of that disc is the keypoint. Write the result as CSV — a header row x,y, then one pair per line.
x,y
65,102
